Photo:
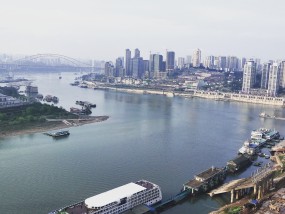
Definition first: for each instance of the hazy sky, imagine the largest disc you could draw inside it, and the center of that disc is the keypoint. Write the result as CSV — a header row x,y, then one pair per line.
x,y
103,29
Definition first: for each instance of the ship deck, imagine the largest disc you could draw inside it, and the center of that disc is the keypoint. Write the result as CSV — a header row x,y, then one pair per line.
x,y
77,209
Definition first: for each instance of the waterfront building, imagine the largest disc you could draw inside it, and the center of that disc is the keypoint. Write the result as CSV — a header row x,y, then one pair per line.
x,y
109,69
206,180
181,62
157,63
137,53
282,74
249,73
146,68
128,62
170,61
196,58
137,67
119,68
7,101
265,75
273,80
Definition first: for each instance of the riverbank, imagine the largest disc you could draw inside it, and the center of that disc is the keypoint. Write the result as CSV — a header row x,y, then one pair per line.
x,y
263,207
218,96
52,124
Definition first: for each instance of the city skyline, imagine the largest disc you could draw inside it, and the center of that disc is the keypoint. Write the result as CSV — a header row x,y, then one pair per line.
x,y
102,30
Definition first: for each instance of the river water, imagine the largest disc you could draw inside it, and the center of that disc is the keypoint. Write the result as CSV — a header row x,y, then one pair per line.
x,y
161,139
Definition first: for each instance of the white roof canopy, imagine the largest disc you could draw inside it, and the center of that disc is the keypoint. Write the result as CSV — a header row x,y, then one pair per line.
x,y
113,195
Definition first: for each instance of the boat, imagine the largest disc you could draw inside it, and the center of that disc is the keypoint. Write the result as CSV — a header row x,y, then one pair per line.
x,y
118,200
76,83
59,134
264,115
264,133
257,163
85,104
249,148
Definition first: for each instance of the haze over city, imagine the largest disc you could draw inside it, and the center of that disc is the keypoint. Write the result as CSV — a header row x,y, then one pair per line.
x,y
104,29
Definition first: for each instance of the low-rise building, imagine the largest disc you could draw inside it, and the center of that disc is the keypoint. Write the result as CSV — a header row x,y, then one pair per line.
x,y
7,101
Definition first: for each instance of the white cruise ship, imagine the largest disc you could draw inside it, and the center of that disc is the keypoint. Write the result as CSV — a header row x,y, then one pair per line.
x,y
117,200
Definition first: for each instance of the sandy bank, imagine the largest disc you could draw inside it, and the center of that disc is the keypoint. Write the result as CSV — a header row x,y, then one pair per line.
x,y
53,125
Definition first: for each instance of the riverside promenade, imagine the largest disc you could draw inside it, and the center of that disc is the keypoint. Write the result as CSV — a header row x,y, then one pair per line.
x,y
247,98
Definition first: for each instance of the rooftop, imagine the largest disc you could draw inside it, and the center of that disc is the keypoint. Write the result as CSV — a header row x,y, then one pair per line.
x,y
209,173
113,195
193,184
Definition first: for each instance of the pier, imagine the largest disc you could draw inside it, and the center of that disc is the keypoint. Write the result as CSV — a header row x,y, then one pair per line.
x,y
259,183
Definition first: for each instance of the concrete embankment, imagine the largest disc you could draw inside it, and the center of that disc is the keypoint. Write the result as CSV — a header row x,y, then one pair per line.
x,y
246,98
141,91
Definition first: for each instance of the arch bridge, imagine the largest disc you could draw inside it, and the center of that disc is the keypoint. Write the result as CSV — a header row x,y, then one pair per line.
x,y
48,62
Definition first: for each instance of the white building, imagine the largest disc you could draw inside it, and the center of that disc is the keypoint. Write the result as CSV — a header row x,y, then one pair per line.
x,y
273,80
7,101
196,58
249,73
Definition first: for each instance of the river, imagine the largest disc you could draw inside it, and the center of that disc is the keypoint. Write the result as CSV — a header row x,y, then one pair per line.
x,y
157,138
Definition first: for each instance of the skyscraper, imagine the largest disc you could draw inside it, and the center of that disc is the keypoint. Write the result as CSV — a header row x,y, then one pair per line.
x,y
137,53
119,67
196,58
170,61
249,72
222,62
128,62
273,80
137,67
282,74
181,62
109,69
265,75
157,64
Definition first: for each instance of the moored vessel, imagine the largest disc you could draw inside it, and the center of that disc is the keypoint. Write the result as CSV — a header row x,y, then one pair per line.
x,y
117,200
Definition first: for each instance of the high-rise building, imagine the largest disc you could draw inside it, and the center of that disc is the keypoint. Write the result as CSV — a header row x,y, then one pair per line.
x,y
273,80
222,63
128,62
109,69
282,74
157,63
242,63
196,58
249,73
188,59
119,67
170,61
146,68
137,53
181,62
265,75
137,67
209,62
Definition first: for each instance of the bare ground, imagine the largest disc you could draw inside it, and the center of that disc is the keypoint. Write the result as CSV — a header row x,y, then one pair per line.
x,y
51,125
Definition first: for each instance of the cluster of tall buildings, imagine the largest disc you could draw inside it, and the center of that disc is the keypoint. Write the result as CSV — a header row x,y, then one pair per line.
x,y
137,67
272,77
155,67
